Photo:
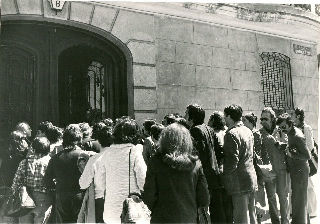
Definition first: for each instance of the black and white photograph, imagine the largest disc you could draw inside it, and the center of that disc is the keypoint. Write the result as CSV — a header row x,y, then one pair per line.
x,y
159,112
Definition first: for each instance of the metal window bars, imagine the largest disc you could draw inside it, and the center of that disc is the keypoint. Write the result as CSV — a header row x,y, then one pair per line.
x,y
276,81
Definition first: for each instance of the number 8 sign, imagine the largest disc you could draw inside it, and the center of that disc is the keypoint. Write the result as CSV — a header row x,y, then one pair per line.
x,y
56,4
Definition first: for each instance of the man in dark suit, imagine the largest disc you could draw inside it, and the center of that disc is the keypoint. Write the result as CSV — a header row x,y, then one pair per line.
x,y
239,176
207,147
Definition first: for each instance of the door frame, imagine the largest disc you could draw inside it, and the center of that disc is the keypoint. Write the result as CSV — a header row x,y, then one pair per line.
x,y
96,32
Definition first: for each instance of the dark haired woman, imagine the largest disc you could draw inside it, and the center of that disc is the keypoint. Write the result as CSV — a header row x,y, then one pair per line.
x,y
175,185
115,168
34,167
63,168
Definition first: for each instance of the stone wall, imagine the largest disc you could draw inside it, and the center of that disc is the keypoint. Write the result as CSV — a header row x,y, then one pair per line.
x,y
178,61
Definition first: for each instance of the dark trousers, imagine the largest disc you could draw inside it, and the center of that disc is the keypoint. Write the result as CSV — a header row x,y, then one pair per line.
x,y
220,206
299,173
99,206
68,205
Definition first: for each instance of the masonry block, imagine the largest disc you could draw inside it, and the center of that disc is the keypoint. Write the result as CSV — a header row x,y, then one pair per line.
x,y
144,76
29,7
204,55
311,118
311,68
252,61
142,52
167,96
186,53
8,7
103,17
301,100
48,12
141,117
205,97
166,50
246,80
314,90
166,73
298,85
221,58
186,96
238,60
161,112
298,67
238,40
204,77
133,25
221,78
210,35
81,12
186,74
239,97
223,98
273,44
254,101
145,99
313,103
174,29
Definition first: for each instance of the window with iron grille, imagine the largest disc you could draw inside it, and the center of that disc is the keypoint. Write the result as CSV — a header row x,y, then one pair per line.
x,y
276,81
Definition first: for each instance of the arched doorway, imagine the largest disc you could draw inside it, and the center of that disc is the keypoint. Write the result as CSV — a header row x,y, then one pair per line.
x,y
38,56
92,85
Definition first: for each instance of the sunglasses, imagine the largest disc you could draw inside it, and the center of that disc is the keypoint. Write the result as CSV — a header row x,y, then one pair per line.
x,y
263,119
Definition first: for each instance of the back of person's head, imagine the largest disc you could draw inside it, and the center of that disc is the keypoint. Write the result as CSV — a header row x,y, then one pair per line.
x,y
183,122
108,122
72,135
86,130
299,112
196,113
177,115
25,128
41,145
55,134
235,112
17,142
126,131
96,128
216,121
147,124
44,127
285,117
251,118
105,137
156,130
168,119
270,111
175,139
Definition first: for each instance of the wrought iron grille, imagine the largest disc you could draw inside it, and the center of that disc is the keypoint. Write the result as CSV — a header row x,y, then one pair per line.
x,y
276,80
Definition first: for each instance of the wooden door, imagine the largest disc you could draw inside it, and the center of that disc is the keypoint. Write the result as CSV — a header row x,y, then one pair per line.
x,y
17,68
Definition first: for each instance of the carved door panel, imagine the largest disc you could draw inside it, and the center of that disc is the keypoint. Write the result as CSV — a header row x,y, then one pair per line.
x,y
16,88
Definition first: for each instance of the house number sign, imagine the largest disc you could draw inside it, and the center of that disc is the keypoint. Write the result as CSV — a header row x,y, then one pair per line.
x,y
56,4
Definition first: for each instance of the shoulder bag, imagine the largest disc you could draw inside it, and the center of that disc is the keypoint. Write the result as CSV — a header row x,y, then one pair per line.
x,y
20,203
133,208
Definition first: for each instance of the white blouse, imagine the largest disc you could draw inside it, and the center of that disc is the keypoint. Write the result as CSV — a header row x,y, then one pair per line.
x,y
115,165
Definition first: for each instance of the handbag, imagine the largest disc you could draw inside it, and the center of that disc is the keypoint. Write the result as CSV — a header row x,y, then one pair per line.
x,y
133,208
203,216
20,203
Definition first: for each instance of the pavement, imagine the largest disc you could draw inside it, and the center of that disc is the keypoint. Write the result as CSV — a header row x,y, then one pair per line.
x,y
313,220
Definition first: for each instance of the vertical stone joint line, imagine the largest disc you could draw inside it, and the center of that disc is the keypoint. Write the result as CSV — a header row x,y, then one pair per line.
x,y
114,20
16,5
42,7
92,13
69,11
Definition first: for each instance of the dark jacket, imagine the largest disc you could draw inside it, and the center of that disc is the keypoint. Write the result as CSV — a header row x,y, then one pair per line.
x,y
297,145
174,189
239,175
205,143
63,168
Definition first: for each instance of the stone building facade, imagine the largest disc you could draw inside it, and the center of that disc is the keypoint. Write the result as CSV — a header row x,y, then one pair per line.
x,y
182,53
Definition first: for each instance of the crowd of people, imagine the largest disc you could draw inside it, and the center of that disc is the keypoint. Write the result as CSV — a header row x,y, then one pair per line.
x,y
227,168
